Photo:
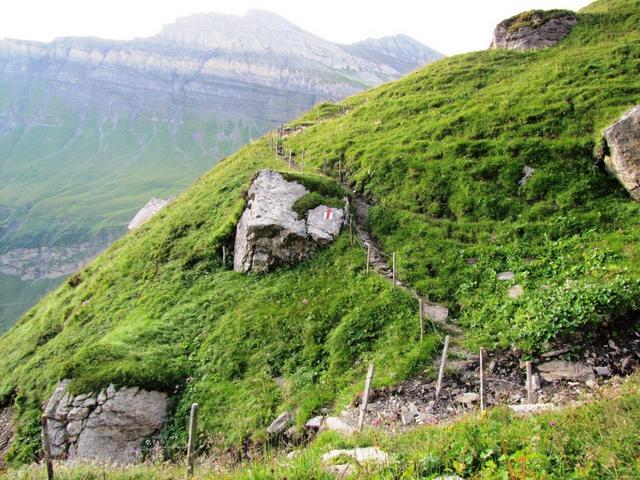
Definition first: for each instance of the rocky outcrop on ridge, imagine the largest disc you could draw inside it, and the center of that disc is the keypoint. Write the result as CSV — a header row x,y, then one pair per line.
x,y
270,234
152,207
623,161
108,427
533,30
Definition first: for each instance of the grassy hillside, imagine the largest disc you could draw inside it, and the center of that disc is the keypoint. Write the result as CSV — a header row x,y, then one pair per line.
x,y
441,153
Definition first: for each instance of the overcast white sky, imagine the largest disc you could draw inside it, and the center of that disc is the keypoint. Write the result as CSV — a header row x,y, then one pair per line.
x,y
451,26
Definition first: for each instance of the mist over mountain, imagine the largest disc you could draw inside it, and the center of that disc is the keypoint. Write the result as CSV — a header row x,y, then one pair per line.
x,y
90,129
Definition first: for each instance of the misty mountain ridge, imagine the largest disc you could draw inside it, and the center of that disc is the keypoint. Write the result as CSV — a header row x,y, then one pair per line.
x,y
91,129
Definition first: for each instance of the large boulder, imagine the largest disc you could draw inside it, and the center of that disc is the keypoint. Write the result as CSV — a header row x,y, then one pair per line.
x,y
110,426
270,234
623,161
533,30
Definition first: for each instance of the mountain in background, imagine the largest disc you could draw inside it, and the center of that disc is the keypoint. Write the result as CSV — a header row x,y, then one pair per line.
x,y
90,129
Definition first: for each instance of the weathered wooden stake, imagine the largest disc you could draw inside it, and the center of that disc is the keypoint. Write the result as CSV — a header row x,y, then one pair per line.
x,y
530,397
340,170
365,396
443,361
290,157
193,427
394,268
302,162
46,447
224,256
368,257
482,403
351,232
420,307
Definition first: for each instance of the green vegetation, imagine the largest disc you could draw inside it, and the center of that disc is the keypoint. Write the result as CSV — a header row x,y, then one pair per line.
x,y
534,18
441,154
322,191
594,441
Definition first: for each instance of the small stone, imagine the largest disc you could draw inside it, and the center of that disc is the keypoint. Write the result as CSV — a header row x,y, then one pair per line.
x,y
102,397
533,408
437,313
603,371
626,363
335,424
340,471
556,370
280,424
613,345
515,291
505,276
471,261
314,423
555,353
527,174
468,398
360,455
407,418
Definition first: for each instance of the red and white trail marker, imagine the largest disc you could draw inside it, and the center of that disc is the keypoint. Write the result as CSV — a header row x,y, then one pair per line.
x,y
328,214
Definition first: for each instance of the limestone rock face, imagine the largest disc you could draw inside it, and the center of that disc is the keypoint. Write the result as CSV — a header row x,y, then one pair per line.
x,y
152,207
109,426
623,160
270,234
536,32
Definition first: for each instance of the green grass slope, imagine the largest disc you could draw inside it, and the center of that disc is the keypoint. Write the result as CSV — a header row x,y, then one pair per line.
x,y
440,153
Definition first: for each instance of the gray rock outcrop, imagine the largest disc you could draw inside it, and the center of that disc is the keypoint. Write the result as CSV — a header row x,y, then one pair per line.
x,y
152,207
533,30
110,426
623,161
557,370
270,234
280,424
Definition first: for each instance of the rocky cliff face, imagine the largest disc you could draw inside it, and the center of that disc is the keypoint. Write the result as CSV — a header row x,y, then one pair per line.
x,y
49,262
109,426
90,129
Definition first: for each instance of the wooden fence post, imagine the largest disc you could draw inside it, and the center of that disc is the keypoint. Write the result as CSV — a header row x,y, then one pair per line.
x,y
420,307
394,268
368,257
351,232
530,398
46,447
224,256
365,397
193,427
443,361
482,402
